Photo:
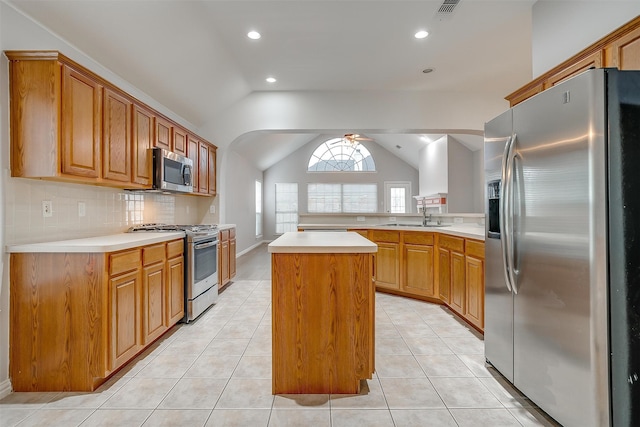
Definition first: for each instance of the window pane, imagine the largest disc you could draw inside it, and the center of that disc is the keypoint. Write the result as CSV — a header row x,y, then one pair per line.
x,y
360,197
258,208
324,197
398,200
286,207
339,155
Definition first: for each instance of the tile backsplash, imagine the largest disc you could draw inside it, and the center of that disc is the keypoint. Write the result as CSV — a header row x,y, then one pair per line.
x,y
106,210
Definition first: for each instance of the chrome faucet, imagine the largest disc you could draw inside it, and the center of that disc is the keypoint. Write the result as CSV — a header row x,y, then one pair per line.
x,y
425,221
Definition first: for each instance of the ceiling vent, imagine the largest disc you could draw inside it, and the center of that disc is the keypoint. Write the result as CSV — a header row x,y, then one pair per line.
x,y
447,7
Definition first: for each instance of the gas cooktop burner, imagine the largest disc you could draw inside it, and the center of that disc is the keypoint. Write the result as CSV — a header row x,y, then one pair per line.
x,y
199,228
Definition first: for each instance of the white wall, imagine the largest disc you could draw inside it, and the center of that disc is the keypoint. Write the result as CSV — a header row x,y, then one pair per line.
x,y
460,164
240,206
562,28
434,168
294,169
478,181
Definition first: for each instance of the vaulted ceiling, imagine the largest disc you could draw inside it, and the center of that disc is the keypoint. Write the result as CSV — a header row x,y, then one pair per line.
x,y
194,56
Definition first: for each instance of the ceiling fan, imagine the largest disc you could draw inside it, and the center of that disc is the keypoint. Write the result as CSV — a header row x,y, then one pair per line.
x,y
352,138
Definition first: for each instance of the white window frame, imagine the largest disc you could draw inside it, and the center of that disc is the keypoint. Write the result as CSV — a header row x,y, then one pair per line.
x,y
286,217
258,199
336,193
388,185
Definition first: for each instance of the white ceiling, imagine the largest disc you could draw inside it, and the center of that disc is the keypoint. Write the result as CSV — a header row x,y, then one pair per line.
x,y
194,57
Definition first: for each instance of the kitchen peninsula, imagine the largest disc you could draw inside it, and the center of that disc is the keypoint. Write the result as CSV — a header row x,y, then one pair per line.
x,y
323,309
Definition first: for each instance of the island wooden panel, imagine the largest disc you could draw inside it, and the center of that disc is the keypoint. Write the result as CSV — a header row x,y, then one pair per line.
x,y
323,322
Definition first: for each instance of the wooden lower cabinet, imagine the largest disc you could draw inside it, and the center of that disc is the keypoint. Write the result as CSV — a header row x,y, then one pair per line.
x,y
457,301
474,308
226,257
418,272
444,274
387,259
76,318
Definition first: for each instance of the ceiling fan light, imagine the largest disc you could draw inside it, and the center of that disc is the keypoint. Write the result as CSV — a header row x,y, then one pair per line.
x,y
421,34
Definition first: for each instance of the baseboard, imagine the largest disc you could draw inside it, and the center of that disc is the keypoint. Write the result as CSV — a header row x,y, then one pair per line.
x,y
5,388
250,248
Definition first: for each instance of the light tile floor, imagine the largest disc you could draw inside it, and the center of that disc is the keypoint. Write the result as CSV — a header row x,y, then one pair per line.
x,y
216,372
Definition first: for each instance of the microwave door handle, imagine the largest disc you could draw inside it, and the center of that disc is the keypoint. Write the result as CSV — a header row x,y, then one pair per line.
x,y
187,174
205,245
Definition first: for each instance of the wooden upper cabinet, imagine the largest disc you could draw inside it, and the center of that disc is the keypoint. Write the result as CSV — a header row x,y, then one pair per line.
x,y
179,141
81,124
624,52
163,134
116,137
203,168
592,61
212,170
619,49
193,150
143,140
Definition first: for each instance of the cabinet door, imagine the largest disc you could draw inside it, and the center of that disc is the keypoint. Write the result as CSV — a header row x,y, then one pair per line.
x,y
418,270
179,141
116,137
193,149
232,258
163,134
81,125
387,269
224,264
203,168
212,170
154,302
125,318
625,52
457,282
474,308
444,274
143,140
175,286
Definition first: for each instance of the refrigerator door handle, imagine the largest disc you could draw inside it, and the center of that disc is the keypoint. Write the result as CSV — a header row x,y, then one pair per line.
x,y
509,192
503,213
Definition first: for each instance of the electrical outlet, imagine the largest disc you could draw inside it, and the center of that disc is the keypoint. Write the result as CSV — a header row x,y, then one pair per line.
x,y
458,220
187,209
82,209
392,218
360,218
47,209
212,209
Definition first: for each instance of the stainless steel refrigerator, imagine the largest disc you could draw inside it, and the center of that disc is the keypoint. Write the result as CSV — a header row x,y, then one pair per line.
x,y
562,278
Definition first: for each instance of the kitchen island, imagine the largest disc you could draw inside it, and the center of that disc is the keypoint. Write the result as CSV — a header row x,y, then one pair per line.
x,y
323,310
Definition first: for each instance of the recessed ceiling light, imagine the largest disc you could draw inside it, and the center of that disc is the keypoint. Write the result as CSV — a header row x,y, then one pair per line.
x,y
253,35
271,79
427,70
421,34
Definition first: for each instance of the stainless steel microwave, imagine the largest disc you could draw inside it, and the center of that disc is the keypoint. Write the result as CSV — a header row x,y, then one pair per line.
x,y
172,172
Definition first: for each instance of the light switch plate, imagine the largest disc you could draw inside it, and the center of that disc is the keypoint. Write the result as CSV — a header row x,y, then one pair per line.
x,y
82,209
392,218
360,218
212,209
47,209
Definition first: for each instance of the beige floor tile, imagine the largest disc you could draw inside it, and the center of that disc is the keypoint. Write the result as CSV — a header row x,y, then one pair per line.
x,y
300,417
410,393
506,393
178,417
464,393
484,418
465,345
10,417
227,347
370,397
301,401
167,366
423,418
259,346
79,400
33,400
194,393
392,346
238,330
478,365
443,365
117,418
361,417
57,417
386,330
459,330
427,345
417,330
141,393
533,417
397,366
253,367
239,418
187,346
243,393
211,365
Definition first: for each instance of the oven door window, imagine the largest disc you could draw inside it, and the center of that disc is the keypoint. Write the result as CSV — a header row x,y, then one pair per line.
x,y
205,260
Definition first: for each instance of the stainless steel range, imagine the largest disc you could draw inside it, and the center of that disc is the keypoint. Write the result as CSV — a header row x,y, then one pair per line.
x,y
201,261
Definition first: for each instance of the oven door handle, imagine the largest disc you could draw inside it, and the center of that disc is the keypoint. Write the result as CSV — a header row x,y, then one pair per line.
x,y
205,245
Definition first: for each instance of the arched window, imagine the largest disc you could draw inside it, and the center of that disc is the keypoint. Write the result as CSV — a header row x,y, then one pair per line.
x,y
339,155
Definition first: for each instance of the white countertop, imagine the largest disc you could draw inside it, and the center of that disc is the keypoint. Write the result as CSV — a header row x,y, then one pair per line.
x,y
110,243
226,226
471,231
329,242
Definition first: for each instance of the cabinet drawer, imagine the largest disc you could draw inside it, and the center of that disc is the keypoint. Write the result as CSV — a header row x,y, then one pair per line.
x,y
175,248
385,236
475,248
418,238
224,235
453,243
121,262
153,254
232,233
